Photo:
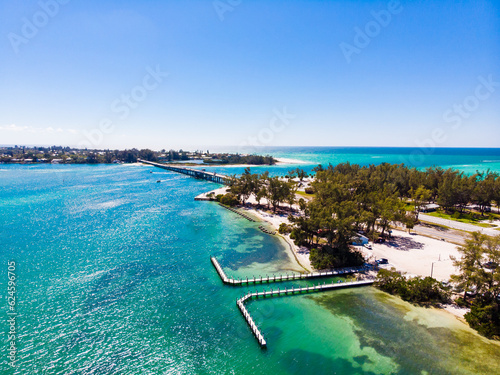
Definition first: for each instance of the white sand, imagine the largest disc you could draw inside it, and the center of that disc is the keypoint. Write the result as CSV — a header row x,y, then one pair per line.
x,y
412,254
416,255
301,254
204,196
282,161
459,312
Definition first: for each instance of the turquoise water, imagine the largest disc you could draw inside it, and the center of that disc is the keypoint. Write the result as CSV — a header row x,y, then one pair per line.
x,y
114,277
468,160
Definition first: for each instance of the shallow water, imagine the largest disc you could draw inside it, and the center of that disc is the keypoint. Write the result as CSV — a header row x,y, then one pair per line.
x,y
114,277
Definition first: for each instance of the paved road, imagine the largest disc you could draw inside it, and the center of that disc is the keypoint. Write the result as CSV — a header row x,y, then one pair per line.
x,y
448,235
458,225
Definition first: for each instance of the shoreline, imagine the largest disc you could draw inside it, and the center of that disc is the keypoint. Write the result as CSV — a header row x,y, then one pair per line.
x,y
411,261
284,161
301,258
275,221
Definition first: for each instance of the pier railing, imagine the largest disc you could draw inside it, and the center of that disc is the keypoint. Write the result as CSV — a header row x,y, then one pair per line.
x,y
289,291
237,212
278,278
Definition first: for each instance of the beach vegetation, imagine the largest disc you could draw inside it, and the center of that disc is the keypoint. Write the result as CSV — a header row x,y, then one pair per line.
x,y
420,197
479,278
422,291
240,159
274,189
301,174
484,317
349,198
229,199
328,257
284,228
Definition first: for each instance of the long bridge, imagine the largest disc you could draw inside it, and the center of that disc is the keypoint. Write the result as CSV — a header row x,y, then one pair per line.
x,y
196,173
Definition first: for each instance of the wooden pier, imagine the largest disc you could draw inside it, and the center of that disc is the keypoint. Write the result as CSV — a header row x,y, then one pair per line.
x,y
279,278
255,330
289,291
203,175
263,229
237,212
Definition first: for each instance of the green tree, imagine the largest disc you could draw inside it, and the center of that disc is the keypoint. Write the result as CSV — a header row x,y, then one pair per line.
x,y
420,197
479,255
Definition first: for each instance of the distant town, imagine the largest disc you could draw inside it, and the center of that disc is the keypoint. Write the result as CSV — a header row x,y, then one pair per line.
x,y
69,155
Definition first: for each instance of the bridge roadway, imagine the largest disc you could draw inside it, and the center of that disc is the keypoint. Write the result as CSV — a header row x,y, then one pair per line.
x,y
204,175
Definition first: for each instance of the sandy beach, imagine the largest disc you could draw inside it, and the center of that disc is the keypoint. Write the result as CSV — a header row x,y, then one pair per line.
x,y
301,253
412,254
415,254
282,161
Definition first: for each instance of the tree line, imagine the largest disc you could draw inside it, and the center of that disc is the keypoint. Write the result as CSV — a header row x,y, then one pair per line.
x,y
479,278
424,291
350,198
274,190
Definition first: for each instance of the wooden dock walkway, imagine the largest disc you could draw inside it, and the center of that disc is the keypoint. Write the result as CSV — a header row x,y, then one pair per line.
x,y
279,278
204,175
289,291
237,212
255,330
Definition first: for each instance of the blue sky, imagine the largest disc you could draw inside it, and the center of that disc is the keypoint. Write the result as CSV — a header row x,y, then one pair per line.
x,y
171,74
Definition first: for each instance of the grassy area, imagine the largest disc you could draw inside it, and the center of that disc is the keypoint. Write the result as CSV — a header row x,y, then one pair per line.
x,y
409,207
463,217
305,195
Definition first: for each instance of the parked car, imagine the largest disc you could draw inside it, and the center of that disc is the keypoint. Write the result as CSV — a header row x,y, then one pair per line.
x,y
382,261
368,246
472,292
491,265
